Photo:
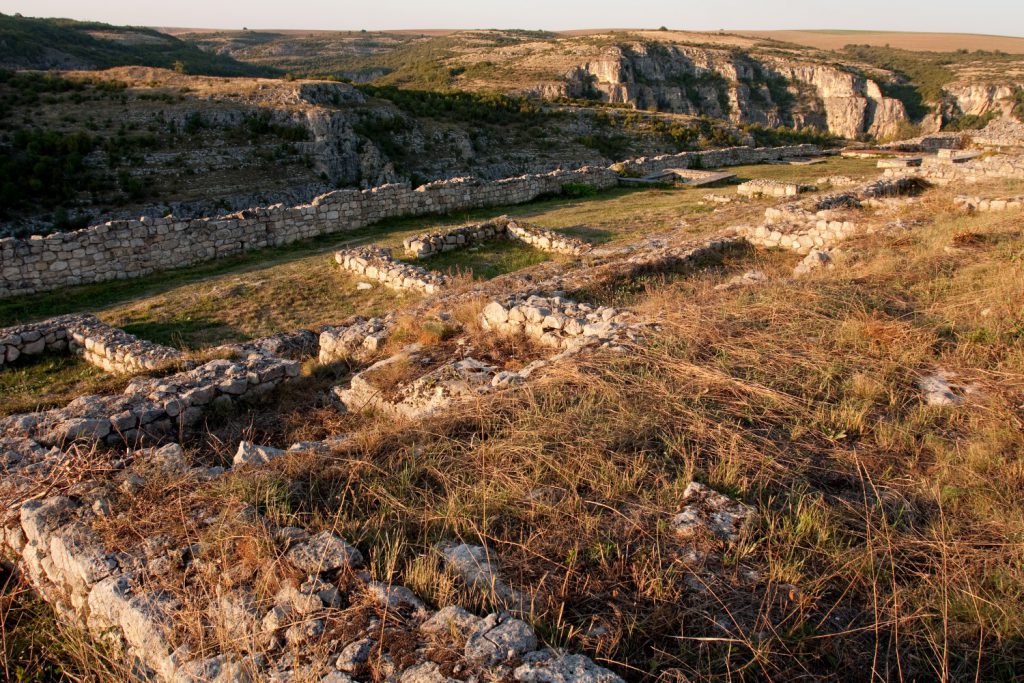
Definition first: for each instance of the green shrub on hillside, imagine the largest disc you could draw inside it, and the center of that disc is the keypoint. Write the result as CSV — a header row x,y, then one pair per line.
x,y
42,166
461,106
29,42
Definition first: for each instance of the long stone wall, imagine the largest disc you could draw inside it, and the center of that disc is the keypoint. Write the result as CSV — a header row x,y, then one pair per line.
x,y
127,249
714,158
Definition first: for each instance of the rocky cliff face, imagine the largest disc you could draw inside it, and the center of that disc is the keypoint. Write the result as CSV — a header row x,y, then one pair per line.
x,y
736,86
979,99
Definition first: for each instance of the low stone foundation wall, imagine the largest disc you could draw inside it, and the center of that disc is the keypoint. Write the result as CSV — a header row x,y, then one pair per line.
x,y
152,408
547,240
943,171
555,321
378,264
984,205
820,222
771,188
432,243
107,347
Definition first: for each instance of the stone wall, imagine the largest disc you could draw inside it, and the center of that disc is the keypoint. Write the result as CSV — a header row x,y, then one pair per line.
x,y
547,240
107,347
984,205
942,171
360,337
714,158
376,263
152,408
126,249
771,188
134,248
428,244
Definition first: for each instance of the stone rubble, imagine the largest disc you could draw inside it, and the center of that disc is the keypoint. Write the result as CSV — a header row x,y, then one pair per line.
x,y
453,382
940,388
705,511
361,337
750,278
558,322
816,259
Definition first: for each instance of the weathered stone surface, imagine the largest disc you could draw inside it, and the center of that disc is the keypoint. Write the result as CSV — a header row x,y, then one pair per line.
x,y
324,552
709,511
252,454
499,638
557,667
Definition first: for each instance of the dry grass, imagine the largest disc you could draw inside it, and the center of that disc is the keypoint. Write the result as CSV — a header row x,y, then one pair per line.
x,y
890,539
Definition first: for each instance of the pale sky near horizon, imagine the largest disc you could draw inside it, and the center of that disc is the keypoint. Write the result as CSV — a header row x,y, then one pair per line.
x,y
998,17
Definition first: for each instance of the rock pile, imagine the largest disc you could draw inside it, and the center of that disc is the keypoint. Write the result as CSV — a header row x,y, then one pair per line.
x,y
376,263
1001,132
707,511
558,322
426,394
362,336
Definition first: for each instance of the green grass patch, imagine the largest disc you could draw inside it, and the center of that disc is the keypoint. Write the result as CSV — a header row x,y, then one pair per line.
x,y
488,260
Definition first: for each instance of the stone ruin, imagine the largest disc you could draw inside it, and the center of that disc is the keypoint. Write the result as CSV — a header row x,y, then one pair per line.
x,y
104,346
557,322
987,205
467,236
771,188
110,594
134,248
377,263
823,222
944,171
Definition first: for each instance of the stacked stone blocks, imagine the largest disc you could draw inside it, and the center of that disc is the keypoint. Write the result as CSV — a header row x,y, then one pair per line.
x,y
107,347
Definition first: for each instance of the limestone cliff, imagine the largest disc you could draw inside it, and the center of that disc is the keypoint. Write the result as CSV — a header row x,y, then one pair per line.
x,y
735,85
979,99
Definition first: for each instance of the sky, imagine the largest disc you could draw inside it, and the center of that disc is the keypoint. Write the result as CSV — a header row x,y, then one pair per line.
x,y
999,17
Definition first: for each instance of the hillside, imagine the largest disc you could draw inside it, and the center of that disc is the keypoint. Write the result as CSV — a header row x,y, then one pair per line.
x,y
852,91
30,43
86,146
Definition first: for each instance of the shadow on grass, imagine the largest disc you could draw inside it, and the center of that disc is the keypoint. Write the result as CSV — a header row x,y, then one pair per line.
x,y
185,333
